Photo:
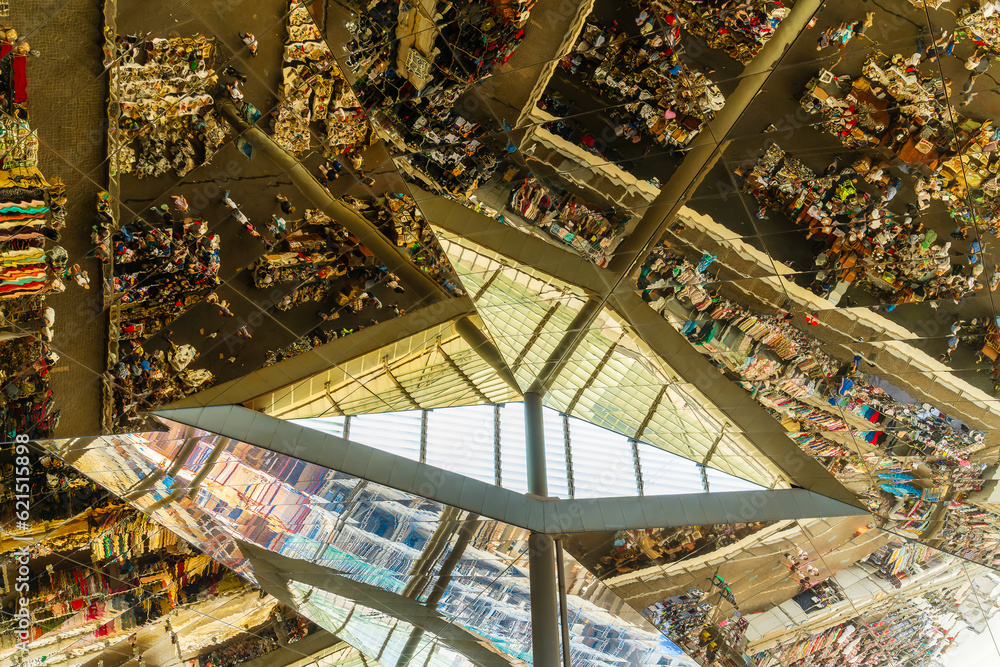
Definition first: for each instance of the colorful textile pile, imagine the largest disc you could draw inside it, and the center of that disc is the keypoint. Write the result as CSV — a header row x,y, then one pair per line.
x,y
22,273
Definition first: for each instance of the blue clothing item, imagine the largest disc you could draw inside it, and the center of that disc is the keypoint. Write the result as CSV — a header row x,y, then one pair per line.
x,y
975,247
891,307
705,262
953,342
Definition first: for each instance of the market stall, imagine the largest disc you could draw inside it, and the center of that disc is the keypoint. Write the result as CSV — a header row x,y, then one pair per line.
x,y
314,91
164,108
741,31
584,226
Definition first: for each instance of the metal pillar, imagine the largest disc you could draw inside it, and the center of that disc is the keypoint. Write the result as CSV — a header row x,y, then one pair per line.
x,y
544,609
563,607
470,524
541,551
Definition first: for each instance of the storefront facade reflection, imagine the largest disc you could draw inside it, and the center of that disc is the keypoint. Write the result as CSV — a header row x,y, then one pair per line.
x,y
215,492
809,592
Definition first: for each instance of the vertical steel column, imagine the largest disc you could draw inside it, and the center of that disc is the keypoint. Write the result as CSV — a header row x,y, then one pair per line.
x,y
423,436
544,607
563,607
541,550
534,438
497,447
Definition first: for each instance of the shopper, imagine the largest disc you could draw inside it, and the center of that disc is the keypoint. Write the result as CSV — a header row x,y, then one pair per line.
x,y
251,42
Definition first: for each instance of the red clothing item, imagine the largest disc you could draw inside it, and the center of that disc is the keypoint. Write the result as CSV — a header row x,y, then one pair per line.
x,y
19,66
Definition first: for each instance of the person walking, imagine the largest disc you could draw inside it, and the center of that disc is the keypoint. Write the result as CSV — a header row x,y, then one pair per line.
x,y
251,42
286,206
80,276
952,344
973,61
235,73
276,226
234,91
224,309
861,27
164,212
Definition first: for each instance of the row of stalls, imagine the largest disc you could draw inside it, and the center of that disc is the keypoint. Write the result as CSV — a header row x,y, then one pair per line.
x,y
32,213
315,92
895,111
658,95
589,229
909,462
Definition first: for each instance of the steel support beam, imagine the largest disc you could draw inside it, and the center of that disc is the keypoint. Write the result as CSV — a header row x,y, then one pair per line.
x,y
485,348
433,548
652,411
399,385
301,367
542,323
460,373
274,571
564,349
147,482
524,511
593,376
485,286
469,526
177,490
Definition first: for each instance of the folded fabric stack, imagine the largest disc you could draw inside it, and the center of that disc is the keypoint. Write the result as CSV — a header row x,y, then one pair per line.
x,y
22,273
22,219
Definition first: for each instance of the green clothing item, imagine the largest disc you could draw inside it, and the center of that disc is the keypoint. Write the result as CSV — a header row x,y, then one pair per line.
x,y
929,238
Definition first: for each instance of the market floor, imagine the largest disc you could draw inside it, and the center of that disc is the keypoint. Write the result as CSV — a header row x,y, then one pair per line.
x,y
253,185
66,92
